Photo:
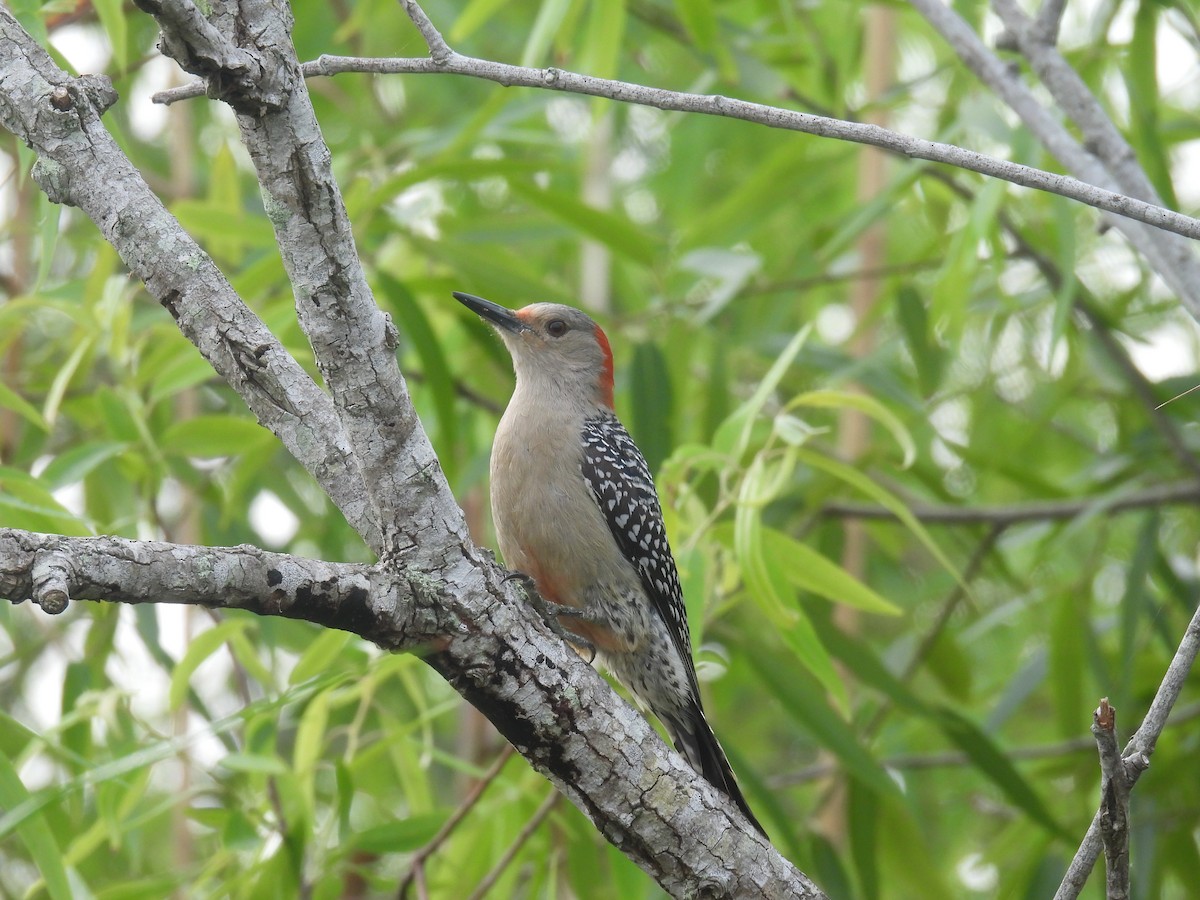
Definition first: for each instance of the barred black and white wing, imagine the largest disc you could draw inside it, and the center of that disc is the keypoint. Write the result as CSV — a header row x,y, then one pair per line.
x,y
619,479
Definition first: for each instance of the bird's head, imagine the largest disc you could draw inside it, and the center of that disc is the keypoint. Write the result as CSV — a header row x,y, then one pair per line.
x,y
553,346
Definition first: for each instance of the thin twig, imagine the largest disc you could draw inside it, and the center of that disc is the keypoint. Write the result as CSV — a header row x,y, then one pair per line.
x,y
1174,261
416,870
1137,753
439,50
1087,306
490,879
956,758
771,116
1114,805
1184,492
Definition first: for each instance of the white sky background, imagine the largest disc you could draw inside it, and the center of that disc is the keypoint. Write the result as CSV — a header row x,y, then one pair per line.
x,y
1170,351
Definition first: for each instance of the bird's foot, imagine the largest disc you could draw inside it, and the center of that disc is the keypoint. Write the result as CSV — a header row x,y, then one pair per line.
x,y
552,613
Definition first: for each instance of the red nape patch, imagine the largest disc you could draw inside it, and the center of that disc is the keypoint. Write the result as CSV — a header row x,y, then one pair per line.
x,y
606,371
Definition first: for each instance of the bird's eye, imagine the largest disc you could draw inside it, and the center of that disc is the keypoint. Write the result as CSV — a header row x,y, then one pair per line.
x,y
556,328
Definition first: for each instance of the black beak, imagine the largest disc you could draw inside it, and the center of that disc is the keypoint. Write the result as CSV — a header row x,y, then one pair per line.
x,y
492,312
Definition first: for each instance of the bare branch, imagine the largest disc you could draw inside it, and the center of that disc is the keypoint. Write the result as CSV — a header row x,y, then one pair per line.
x,y
1100,135
553,707
81,165
1049,19
352,340
336,595
1114,805
1186,492
192,41
1136,755
1175,263
758,113
439,50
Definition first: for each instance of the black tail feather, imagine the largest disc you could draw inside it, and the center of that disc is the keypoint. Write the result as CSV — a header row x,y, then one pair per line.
x,y
699,745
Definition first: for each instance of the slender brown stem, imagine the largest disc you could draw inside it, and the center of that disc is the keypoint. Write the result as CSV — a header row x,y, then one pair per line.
x,y
416,871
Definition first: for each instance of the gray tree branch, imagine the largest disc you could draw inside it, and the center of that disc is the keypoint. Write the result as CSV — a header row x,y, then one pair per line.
x,y
554,708
353,341
1184,492
1175,262
1136,755
79,164
439,594
452,63
1114,803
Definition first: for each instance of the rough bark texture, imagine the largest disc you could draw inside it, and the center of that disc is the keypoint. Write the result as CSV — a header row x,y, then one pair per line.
x,y
556,710
79,164
433,592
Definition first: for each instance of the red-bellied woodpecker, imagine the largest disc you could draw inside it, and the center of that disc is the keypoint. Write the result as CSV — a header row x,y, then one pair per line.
x,y
575,510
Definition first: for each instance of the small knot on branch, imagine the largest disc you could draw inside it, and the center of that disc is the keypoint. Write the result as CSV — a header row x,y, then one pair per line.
x,y
1105,716
50,576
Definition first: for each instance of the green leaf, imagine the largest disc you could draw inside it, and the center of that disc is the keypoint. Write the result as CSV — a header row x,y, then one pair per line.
x,y
830,730
1136,603
25,503
319,655
951,666
884,498
35,834
550,16
1067,662
254,764
614,231
808,570
209,221
928,357
400,836
1141,79
14,737
29,13
605,29
174,365
474,16
994,765
1066,254
148,755
201,648
310,734
113,19
766,584
863,807
651,401
51,216
10,399
62,378
866,666
733,436
416,331
78,462
867,405
214,435
700,20
801,638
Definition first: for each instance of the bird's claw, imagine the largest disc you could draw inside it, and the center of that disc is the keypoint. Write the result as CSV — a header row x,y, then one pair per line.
x,y
551,612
